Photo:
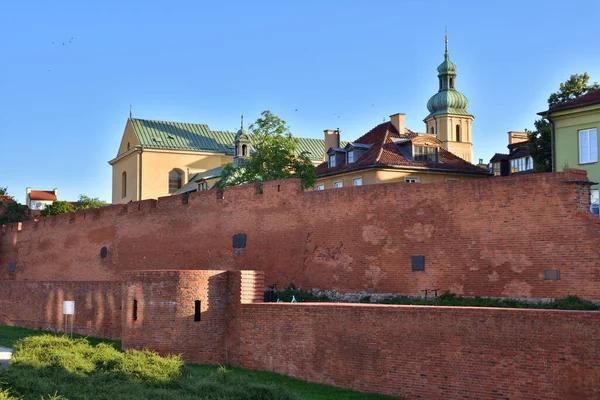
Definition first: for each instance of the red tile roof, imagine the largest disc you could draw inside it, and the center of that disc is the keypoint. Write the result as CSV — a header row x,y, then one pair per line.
x,y
42,195
586,100
384,152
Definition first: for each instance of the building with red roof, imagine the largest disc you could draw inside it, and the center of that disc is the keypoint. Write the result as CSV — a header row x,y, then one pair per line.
x,y
38,200
390,152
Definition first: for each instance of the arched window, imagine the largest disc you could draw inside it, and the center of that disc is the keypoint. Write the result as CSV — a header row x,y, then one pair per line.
x,y
451,83
431,130
124,184
458,133
175,178
244,150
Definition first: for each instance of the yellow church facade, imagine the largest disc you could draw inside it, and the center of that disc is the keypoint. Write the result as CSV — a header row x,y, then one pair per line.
x,y
157,158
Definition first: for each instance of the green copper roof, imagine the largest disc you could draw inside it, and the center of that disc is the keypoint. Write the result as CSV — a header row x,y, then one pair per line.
x,y
447,100
198,137
178,136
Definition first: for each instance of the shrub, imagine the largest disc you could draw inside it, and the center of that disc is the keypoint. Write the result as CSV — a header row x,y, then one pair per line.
x,y
51,367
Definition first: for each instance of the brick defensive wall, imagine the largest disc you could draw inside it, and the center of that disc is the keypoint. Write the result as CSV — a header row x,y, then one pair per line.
x,y
522,236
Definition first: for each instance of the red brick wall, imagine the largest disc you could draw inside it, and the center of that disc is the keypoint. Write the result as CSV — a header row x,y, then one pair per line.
x,y
492,237
38,305
165,310
165,313
425,352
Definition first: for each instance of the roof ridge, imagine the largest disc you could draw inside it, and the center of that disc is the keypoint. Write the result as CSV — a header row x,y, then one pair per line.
x,y
168,122
385,137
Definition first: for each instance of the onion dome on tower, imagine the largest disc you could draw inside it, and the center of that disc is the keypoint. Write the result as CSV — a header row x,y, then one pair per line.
x,y
447,100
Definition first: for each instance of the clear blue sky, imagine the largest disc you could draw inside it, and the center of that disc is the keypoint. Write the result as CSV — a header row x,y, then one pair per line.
x,y
345,64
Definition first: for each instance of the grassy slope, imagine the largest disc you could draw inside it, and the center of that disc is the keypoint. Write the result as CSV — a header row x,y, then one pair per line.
x,y
199,374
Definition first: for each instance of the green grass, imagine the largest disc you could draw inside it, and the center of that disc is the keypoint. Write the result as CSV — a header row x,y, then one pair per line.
x,y
54,367
451,299
306,390
9,335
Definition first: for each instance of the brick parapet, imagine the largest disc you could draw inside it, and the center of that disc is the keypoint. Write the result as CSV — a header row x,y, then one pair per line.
x,y
426,352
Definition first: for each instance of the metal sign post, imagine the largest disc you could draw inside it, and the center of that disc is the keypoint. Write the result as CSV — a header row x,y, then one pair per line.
x,y
69,309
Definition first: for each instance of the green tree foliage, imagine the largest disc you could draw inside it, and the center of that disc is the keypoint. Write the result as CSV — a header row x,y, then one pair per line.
x,y
57,207
540,140
10,210
540,146
575,86
84,202
274,157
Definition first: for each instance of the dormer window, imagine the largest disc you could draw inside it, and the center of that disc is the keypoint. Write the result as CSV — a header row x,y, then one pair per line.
x,y
425,153
332,160
350,157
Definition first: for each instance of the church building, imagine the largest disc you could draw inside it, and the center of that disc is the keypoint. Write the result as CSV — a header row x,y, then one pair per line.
x,y
161,158
390,152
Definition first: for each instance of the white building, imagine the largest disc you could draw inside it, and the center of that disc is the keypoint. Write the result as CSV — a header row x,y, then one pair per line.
x,y
39,199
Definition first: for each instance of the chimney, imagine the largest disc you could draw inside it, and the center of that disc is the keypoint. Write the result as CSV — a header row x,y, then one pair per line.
x,y
332,139
516,137
398,122
56,193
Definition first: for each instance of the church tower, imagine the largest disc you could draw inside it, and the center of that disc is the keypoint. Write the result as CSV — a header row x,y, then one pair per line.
x,y
448,117
242,144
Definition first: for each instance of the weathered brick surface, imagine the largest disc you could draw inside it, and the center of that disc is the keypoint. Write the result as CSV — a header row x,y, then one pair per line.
x,y
411,351
492,237
425,352
165,313
39,305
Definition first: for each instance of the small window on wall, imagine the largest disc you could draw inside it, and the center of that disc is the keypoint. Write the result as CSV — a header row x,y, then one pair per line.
x,y
357,182
128,146
175,179
350,157
197,313
244,150
338,184
529,163
134,311
431,130
588,146
411,179
320,187
458,133
123,184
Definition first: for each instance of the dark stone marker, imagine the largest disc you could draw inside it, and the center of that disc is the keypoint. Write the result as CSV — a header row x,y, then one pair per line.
x,y
418,263
552,274
239,241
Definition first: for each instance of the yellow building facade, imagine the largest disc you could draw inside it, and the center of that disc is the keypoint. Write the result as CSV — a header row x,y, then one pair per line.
x,y
157,158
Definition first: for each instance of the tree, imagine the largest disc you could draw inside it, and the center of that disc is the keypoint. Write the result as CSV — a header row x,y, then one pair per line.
x,y
540,140
540,146
84,202
57,207
275,156
10,210
575,86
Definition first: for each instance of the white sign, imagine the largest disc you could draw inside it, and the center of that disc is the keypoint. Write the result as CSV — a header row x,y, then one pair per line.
x,y
68,307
